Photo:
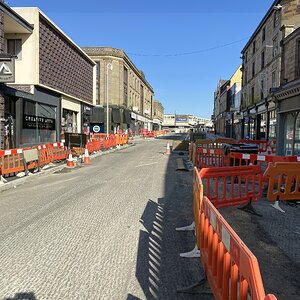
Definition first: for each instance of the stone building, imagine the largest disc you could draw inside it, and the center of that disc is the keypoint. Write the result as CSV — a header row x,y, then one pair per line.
x,y
53,89
220,102
261,65
124,87
158,115
287,97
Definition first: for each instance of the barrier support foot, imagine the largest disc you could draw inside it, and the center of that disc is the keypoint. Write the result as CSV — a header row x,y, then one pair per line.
x,y
250,209
2,179
197,288
276,206
186,228
191,254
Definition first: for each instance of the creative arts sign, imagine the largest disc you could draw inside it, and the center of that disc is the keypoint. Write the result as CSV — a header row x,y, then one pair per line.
x,y
34,122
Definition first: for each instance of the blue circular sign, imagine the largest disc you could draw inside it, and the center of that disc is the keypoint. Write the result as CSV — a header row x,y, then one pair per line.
x,y
96,128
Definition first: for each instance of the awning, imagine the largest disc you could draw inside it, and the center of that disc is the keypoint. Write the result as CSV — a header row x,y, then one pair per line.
x,y
126,117
98,115
116,117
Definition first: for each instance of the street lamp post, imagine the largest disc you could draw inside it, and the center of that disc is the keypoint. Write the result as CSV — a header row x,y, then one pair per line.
x,y
108,66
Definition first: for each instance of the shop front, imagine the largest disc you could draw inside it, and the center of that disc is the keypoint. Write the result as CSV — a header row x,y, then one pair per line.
x,y
288,139
87,111
71,115
97,120
30,119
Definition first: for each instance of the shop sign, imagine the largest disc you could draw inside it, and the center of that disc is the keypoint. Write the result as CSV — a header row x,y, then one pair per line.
x,y
96,128
87,110
181,119
7,69
34,122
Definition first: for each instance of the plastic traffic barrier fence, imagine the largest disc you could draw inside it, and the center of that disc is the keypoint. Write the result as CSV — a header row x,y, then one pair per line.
x,y
11,161
283,181
230,186
231,268
210,158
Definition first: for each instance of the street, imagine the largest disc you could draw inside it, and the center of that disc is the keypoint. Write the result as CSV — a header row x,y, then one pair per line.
x,y
103,231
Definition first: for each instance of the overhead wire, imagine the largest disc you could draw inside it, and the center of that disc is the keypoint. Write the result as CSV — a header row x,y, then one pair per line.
x,y
191,52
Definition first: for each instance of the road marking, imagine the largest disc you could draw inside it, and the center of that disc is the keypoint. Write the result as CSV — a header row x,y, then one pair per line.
x,y
144,165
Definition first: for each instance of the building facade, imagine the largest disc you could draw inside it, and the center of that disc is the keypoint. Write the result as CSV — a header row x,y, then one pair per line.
x,y
10,23
220,103
287,97
158,115
53,89
124,88
261,66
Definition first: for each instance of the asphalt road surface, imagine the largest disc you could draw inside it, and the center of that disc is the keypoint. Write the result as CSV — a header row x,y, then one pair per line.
x,y
103,231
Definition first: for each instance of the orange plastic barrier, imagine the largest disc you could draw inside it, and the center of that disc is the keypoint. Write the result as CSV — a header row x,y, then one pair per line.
x,y
229,186
11,161
45,154
231,268
283,181
59,151
210,158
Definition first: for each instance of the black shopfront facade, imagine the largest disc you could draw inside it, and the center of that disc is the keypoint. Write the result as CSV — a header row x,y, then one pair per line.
x,y
31,119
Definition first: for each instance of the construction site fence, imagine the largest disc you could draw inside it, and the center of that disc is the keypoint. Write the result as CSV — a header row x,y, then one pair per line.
x,y
283,181
231,268
14,161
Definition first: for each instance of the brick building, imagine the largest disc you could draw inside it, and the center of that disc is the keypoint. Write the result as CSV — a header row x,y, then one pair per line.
x,y
53,89
261,69
130,96
287,97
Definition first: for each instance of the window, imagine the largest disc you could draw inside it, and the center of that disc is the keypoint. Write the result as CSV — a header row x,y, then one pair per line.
x,y
98,82
14,47
252,94
276,18
262,89
246,56
125,73
298,60
245,75
263,59
263,36
273,80
253,69
275,47
254,46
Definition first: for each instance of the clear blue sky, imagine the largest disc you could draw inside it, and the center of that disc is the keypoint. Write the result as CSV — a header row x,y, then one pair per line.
x,y
153,32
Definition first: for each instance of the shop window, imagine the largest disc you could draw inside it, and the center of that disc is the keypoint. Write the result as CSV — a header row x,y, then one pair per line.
x,y
297,135
272,127
69,121
14,47
289,134
39,124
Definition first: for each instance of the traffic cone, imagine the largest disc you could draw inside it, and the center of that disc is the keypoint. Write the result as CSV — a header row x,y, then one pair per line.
x,y
168,151
86,159
70,161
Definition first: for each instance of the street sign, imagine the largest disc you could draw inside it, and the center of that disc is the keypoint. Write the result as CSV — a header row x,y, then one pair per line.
x,y
7,69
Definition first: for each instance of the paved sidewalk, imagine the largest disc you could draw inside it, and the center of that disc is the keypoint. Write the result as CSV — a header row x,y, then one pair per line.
x,y
274,239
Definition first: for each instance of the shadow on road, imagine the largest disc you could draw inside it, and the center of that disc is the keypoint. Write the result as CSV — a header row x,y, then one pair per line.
x,y
160,270
23,296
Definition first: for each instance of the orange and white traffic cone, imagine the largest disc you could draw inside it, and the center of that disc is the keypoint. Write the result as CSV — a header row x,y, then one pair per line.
x,y
70,161
86,159
168,151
